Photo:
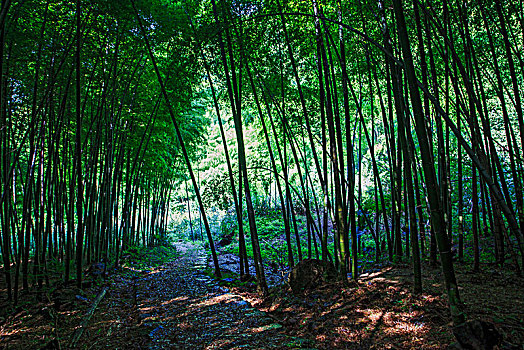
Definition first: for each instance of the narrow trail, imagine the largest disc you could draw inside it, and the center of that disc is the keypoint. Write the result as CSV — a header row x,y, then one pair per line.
x,y
179,307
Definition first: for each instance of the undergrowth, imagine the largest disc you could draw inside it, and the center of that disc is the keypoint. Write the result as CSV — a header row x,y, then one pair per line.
x,y
142,258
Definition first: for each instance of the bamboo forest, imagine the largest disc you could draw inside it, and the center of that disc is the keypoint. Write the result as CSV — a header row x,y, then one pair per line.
x,y
261,174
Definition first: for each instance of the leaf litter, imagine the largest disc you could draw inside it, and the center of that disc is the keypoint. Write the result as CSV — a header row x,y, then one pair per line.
x,y
178,306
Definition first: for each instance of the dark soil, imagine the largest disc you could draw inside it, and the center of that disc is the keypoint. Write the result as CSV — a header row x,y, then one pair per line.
x,y
178,306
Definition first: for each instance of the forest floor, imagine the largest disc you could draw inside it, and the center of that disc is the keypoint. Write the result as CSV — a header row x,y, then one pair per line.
x,y
178,306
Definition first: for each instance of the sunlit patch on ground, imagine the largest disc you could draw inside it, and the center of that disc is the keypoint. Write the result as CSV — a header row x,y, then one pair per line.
x,y
220,344
379,312
131,268
373,314
177,308
174,300
219,299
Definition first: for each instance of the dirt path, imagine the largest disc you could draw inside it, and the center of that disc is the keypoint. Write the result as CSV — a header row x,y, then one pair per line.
x,y
179,307
176,306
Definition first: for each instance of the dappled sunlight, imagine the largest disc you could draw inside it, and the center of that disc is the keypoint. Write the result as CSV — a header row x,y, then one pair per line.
x,y
401,324
385,280
374,275
373,314
127,267
219,299
175,300
155,271
174,307
220,344
148,308
381,310
180,307
16,331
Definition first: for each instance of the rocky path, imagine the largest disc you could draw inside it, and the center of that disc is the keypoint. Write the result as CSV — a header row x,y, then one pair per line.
x,y
179,307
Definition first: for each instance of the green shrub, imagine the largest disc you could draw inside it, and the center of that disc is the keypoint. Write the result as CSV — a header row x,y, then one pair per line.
x,y
148,257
